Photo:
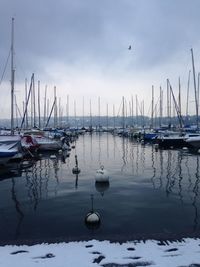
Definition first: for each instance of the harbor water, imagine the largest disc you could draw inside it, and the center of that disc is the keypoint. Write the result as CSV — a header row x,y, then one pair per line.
x,y
151,193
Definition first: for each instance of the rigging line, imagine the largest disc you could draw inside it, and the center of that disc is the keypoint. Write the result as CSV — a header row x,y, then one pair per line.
x,y
149,110
119,109
4,70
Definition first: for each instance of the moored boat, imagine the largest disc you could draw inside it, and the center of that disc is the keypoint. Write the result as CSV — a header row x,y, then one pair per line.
x,y
29,143
48,144
193,142
9,152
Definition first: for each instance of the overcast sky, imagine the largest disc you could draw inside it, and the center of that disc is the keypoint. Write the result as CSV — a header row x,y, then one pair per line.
x,y
81,47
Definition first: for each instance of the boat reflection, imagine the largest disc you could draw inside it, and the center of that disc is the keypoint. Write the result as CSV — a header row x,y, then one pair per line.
x,y
17,208
172,176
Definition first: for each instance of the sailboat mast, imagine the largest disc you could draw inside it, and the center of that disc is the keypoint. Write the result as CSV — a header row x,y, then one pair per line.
x,y
55,108
68,110
99,104
90,114
16,116
123,113
160,115
188,88
143,112
136,111
12,77
58,112
45,106
75,121
39,104
107,115
195,90
83,113
198,89
179,94
152,107
132,110
26,99
114,116
34,110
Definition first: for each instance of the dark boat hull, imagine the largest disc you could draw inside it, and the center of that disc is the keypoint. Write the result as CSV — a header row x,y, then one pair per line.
x,y
171,143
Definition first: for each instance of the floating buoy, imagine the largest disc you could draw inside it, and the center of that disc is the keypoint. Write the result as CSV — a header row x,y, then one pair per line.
x,y
92,219
76,169
142,142
102,175
60,151
156,147
53,157
185,148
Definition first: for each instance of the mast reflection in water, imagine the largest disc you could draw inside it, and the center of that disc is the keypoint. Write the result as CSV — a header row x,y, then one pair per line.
x,y
151,194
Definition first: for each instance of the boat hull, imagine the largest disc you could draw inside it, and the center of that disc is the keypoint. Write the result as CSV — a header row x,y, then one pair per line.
x,y
171,142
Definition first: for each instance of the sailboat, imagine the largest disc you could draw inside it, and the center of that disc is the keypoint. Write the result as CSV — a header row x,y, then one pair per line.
x,y
8,152
10,145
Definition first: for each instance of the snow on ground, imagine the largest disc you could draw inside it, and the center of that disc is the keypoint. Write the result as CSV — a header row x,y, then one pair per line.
x,y
103,253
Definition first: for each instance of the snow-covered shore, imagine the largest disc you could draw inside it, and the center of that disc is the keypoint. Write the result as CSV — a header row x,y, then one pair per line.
x,y
104,253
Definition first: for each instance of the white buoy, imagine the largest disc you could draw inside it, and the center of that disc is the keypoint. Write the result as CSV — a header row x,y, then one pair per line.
x,y
142,142
53,157
60,151
185,148
102,175
92,219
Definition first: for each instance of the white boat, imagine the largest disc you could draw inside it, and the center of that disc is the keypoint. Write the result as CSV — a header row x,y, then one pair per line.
x,y
10,139
9,152
29,143
47,144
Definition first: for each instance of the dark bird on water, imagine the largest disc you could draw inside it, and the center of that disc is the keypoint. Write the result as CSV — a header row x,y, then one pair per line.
x,y
129,48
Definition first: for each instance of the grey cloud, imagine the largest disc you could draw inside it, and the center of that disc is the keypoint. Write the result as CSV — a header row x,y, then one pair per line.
x,y
98,32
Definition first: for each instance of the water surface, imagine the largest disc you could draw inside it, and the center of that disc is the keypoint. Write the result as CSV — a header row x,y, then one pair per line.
x,y
151,194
